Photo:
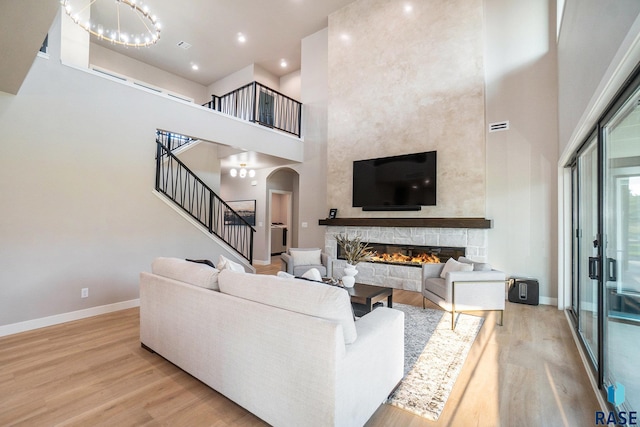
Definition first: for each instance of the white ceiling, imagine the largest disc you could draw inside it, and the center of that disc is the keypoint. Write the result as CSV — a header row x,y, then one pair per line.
x,y
273,28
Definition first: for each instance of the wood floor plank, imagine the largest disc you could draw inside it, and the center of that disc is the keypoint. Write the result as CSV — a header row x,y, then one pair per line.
x,y
94,372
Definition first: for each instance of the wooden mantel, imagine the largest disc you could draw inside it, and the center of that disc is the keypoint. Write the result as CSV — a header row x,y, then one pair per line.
x,y
409,222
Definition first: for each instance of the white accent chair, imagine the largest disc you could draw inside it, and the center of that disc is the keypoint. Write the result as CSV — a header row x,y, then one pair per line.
x,y
481,289
297,261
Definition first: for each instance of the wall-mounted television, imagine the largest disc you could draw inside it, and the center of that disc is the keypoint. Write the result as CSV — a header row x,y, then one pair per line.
x,y
404,182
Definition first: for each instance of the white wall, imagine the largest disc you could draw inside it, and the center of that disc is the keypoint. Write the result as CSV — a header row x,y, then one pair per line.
x,y
76,180
242,77
266,78
314,77
520,67
232,81
121,64
590,37
75,46
202,159
290,85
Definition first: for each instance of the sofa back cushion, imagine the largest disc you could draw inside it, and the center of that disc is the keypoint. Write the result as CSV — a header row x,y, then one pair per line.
x,y
305,256
194,273
301,296
477,266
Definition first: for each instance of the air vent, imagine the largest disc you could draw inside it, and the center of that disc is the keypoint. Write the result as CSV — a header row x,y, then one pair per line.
x,y
498,126
146,86
184,45
108,73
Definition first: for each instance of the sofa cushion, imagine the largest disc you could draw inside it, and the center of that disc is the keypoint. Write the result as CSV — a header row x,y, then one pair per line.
x,y
301,296
305,256
186,271
477,266
301,269
453,265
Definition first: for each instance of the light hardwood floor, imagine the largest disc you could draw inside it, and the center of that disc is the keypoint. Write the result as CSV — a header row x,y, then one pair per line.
x,y
93,372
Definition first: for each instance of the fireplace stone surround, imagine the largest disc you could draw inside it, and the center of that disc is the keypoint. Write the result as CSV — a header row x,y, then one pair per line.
x,y
474,240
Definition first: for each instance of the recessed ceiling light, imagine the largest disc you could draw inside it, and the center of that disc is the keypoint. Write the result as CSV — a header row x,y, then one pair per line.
x,y
408,8
241,38
194,67
283,63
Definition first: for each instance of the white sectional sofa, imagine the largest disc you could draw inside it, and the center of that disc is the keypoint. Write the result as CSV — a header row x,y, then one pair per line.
x,y
287,350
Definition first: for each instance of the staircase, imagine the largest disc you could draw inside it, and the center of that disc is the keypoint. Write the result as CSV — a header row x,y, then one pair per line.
x,y
178,183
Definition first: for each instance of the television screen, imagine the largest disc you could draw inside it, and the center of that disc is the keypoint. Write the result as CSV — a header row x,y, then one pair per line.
x,y
399,181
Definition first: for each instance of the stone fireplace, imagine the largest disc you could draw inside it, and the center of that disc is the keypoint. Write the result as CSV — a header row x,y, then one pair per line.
x,y
472,240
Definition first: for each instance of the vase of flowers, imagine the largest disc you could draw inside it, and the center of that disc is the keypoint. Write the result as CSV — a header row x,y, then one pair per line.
x,y
354,251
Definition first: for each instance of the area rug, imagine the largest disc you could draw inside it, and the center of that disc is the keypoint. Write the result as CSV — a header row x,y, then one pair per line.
x,y
434,356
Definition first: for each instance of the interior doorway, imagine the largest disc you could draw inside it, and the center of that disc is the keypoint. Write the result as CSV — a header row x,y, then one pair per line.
x,y
280,220
282,196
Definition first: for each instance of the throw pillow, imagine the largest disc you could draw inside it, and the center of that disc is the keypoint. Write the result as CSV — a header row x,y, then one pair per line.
x,y
453,265
202,261
226,263
477,266
312,274
305,256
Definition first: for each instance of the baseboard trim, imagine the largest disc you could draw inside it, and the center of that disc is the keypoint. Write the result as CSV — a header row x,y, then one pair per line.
x,y
57,319
548,301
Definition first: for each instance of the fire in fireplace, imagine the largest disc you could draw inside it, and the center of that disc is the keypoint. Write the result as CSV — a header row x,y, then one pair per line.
x,y
410,255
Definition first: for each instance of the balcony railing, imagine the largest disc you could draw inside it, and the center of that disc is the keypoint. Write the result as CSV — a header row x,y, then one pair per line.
x,y
257,103
176,181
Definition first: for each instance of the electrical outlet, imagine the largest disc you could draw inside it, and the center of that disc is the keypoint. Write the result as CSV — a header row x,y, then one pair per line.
x,y
84,292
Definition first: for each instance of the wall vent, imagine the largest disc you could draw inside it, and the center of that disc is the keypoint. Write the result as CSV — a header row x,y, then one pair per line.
x,y
184,45
498,126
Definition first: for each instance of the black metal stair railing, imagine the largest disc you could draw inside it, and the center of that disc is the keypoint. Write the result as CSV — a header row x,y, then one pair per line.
x,y
173,140
258,103
176,181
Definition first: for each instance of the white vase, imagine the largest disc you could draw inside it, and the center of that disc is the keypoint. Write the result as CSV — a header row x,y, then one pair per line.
x,y
348,280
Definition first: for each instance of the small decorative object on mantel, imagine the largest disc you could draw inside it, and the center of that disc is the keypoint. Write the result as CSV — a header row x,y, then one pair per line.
x,y
333,212
354,251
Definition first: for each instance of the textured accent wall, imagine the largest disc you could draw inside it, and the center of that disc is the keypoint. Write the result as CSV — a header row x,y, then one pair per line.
x,y
408,81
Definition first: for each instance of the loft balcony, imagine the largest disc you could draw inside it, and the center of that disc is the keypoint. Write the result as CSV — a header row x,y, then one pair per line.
x,y
260,104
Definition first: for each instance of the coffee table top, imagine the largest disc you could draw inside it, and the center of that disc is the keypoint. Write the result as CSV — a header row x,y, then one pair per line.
x,y
360,292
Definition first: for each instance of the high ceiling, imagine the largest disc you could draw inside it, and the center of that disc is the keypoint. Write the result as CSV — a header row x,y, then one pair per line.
x,y
273,30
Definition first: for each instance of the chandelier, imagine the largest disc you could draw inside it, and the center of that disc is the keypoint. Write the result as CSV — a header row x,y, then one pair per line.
x,y
143,31
242,173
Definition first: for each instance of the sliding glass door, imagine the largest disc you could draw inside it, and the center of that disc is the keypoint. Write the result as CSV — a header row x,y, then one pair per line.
x,y
621,142
606,248
587,243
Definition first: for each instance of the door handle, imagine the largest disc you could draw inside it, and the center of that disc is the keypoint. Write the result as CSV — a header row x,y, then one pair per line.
x,y
612,268
593,268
